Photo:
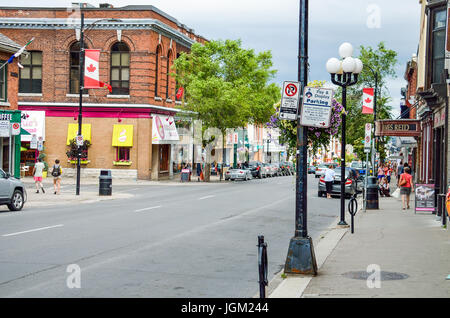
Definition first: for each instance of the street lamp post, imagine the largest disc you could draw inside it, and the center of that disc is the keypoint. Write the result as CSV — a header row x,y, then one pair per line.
x,y
81,80
375,74
344,74
268,142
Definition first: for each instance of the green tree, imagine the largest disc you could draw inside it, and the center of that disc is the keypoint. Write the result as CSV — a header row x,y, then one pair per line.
x,y
382,61
227,86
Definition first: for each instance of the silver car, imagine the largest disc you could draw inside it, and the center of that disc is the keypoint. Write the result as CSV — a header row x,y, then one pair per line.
x,y
12,192
235,174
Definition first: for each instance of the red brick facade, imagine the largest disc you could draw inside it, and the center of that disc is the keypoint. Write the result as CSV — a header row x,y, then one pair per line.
x,y
12,82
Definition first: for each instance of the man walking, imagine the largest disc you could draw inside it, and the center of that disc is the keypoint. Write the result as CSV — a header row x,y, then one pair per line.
x,y
37,173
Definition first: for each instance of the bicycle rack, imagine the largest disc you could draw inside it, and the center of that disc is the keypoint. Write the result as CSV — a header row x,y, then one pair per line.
x,y
352,209
262,266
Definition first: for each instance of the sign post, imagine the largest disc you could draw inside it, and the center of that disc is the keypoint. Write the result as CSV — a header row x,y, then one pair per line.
x,y
289,100
367,148
316,107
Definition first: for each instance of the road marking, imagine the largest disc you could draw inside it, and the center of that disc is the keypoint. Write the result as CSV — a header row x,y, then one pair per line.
x,y
207,197
151,208
34,230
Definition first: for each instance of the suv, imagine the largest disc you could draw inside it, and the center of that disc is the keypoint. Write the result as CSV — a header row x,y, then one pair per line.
x,y
12,192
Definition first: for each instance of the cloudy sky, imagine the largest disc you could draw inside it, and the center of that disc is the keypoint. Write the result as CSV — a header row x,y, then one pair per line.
x,y
273,25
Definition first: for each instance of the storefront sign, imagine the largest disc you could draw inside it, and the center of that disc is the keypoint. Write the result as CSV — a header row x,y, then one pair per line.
x,y
439,118
164,130
4,128
405,128
425,198
316,107
34,123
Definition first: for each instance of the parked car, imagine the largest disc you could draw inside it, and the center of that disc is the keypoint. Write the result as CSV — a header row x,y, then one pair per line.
x,y
287,168
311,169
235,174
257,169
351,183
320,170
275,169
12,192
361,167
267,170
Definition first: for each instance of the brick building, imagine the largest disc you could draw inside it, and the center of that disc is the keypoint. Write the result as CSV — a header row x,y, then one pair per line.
x,y
132,129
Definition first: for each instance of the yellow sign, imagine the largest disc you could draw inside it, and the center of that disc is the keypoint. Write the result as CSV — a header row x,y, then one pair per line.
x,y
72,132
122,136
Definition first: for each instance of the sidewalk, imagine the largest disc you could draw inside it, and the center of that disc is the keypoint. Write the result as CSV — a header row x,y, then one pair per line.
x,y
411,250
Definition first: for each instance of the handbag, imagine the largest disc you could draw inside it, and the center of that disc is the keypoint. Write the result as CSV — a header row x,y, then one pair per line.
x,y
402,182
396,193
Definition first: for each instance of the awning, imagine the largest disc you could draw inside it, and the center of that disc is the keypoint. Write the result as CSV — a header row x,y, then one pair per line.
x,y
72,131
164,130
122,136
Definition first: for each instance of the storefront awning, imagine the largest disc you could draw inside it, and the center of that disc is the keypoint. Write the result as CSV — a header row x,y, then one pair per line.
x,y
72,131
122,136
164,130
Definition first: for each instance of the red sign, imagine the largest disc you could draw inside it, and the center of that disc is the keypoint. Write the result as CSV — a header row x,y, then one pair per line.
x,y
290,90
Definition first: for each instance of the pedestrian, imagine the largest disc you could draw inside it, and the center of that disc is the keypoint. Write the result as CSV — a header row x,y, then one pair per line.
x,y
406,186
381,172
56,173
329,179
399,171
384,188
37,173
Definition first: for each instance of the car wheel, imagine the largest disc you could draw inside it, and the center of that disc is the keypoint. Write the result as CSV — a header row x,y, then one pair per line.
x,y
16,201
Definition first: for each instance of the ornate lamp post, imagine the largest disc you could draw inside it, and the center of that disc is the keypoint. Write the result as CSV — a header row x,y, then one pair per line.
x,y
344,73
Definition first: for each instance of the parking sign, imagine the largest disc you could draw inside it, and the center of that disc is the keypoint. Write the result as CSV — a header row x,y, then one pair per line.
x,y
289,100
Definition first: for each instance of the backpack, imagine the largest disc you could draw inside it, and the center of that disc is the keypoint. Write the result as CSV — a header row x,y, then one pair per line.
x,y
56,171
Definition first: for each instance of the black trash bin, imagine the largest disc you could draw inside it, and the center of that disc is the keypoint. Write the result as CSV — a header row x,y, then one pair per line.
x,y
105,182
372,193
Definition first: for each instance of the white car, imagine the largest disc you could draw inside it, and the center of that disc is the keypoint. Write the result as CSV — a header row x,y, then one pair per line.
x,y
320,170
235,174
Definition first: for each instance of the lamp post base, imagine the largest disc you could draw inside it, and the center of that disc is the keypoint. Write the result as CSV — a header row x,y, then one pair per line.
x,y
343,224
301,258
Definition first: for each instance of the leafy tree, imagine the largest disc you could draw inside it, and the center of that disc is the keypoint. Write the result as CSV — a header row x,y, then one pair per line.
x,y
227,86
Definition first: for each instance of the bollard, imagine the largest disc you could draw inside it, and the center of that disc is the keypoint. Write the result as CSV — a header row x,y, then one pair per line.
x,y
262,266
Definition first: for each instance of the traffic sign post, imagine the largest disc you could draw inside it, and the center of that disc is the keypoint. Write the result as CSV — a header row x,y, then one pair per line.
x,y
289,100
15,129
316,107
368,138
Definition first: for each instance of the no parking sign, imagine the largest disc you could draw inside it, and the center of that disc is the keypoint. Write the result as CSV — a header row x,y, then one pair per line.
x,y
15,129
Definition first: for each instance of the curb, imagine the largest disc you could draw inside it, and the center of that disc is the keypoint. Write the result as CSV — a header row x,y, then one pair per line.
x,y
294,285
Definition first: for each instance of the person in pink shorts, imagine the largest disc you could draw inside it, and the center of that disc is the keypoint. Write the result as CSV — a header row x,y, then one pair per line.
x,y
37,173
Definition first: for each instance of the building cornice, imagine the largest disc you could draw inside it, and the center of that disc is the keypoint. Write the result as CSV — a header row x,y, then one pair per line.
x,y
124,24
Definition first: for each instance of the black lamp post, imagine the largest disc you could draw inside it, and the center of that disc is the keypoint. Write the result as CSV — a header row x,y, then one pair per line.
x,y
344,74
81,80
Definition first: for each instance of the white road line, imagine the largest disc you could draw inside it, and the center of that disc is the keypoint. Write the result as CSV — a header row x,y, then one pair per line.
x,y
34,230
151,208
207,197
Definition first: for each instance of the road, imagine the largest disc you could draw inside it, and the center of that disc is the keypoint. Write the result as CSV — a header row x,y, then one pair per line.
x,y
167,241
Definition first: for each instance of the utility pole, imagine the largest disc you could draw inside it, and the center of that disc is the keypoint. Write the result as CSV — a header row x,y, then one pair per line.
x,y
301,258
80,108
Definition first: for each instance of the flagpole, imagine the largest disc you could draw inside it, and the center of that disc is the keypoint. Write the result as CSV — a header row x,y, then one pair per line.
x,y
80,109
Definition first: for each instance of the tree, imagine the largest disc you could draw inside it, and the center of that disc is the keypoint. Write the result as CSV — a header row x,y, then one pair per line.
x,y
383,61
227,86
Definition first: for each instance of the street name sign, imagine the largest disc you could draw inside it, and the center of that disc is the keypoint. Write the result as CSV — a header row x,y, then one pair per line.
x,y
368,138
316,108
289,100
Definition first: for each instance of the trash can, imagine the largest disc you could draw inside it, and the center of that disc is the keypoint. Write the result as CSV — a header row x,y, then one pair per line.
x,y
105,182
372,193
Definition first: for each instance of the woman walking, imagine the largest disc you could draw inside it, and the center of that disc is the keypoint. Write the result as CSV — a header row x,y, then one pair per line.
x,y
56,173
406,186
329,179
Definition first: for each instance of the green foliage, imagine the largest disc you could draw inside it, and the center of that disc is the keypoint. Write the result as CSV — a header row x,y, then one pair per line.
x,y
226,85
72,153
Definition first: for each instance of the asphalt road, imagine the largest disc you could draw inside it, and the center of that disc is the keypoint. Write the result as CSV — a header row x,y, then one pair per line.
x,y
167,241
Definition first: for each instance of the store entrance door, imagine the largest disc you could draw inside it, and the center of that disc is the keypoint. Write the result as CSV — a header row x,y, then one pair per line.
x,y
164,159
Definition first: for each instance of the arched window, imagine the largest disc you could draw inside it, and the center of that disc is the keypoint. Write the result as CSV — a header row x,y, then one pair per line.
x,y
74,75
120,69
158,57
169,60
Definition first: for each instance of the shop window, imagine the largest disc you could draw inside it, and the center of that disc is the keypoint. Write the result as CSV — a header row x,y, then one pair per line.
x,y
157,60
120,69
122,154
439,21
3,81
31,74
74,76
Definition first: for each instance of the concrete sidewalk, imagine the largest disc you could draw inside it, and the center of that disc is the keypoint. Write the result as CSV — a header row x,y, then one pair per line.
x,y
412,251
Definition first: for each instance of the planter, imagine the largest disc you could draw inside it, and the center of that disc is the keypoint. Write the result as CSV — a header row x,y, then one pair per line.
x,y
83,162
122,163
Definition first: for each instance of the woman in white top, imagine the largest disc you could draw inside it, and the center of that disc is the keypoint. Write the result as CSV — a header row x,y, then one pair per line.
x,y
329,178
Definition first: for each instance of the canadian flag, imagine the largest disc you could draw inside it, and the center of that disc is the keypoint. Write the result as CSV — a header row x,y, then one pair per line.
x,y
91,73
367,107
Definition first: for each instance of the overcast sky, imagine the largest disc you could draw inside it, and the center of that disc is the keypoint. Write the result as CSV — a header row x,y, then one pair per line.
x,y
273,25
